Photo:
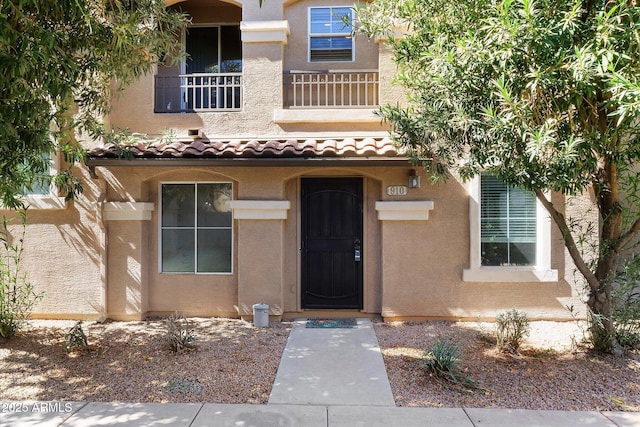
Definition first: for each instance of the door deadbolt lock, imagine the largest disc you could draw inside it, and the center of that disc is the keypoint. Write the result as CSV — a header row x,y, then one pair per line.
x,y
356,250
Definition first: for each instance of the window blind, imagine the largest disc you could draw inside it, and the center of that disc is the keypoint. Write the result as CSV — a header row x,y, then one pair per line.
x,y
507,221
330,34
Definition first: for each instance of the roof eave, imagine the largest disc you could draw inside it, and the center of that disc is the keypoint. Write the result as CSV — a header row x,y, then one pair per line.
x,y
247,161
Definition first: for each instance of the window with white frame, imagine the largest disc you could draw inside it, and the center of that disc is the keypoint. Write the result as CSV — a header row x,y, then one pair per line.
x,y
41,184
43,193
507,224
510,237
196,229
330,34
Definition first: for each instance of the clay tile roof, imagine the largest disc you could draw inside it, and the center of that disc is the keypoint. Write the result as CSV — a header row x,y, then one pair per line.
x,y
256,148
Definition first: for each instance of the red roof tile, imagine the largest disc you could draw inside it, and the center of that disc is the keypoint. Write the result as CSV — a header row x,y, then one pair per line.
x,y
257,148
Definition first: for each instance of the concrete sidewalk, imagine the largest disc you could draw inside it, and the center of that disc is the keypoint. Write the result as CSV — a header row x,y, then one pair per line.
x,y
332,366
82,414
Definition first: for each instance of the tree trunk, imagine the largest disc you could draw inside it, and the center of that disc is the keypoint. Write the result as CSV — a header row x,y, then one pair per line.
x,y
602,326
600,302
600,299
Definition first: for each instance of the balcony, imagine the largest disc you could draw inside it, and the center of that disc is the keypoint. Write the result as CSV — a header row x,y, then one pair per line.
x,y
198,92
331,89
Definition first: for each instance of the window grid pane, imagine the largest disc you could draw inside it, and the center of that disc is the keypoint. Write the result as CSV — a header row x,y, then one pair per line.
x,y
213,205
214,251
177,250
177,205
331,20
42,178
330,34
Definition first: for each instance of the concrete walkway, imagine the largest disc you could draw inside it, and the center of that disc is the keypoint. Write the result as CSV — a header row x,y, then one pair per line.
x,y
327,378
332,366
91,414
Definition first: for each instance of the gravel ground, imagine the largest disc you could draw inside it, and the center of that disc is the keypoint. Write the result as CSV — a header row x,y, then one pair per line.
x,y
233,362
551,372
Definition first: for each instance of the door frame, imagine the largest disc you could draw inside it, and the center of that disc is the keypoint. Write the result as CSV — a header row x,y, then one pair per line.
x,y
364,252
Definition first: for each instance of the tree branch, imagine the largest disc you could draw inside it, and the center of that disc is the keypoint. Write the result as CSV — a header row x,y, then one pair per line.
x,y
626,237
569,242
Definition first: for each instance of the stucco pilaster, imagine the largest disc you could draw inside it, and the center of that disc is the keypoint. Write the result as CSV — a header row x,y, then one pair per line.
x,y
262,73
269,10
127,278
260,240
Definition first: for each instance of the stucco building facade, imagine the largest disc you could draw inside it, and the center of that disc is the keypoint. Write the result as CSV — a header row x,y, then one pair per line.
x,y
271,180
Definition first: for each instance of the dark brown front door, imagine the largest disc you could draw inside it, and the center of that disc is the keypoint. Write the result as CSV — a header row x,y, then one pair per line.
x,y
332,243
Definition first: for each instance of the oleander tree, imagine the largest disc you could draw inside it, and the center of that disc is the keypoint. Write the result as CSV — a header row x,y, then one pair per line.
x,y
543,94
60,64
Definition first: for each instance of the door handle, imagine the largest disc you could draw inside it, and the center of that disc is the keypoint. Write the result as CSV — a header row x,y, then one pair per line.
x,y
356,250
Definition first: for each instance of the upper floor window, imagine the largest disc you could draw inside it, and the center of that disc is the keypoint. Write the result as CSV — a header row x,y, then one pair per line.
x,y
213,49
209,79
507,223
196,228
330,31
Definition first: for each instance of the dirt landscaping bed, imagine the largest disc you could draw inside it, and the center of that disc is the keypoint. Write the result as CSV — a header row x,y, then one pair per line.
x,y
233,362
547,374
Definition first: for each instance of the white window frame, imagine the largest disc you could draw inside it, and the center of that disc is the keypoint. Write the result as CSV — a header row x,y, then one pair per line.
x,y
49,200
540,272
310,35
160,228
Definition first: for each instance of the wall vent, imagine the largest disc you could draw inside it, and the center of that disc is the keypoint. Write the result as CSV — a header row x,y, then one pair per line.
x,y
194,133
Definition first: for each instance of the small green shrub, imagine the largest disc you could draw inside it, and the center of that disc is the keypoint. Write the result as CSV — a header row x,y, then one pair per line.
x,y
626,297
598,337
180,333
443,356
512,327
442,360
75,339
17,295
629,336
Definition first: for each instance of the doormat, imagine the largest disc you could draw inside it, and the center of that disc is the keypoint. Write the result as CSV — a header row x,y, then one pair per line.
x,y
331,323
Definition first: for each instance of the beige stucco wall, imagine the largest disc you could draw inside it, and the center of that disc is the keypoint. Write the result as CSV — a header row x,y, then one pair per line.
x,y
390,93
260,265
423,263
127,279
412,268
266,256
63,255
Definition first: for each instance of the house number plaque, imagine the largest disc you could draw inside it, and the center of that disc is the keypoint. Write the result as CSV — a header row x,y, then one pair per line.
x,y
397,190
